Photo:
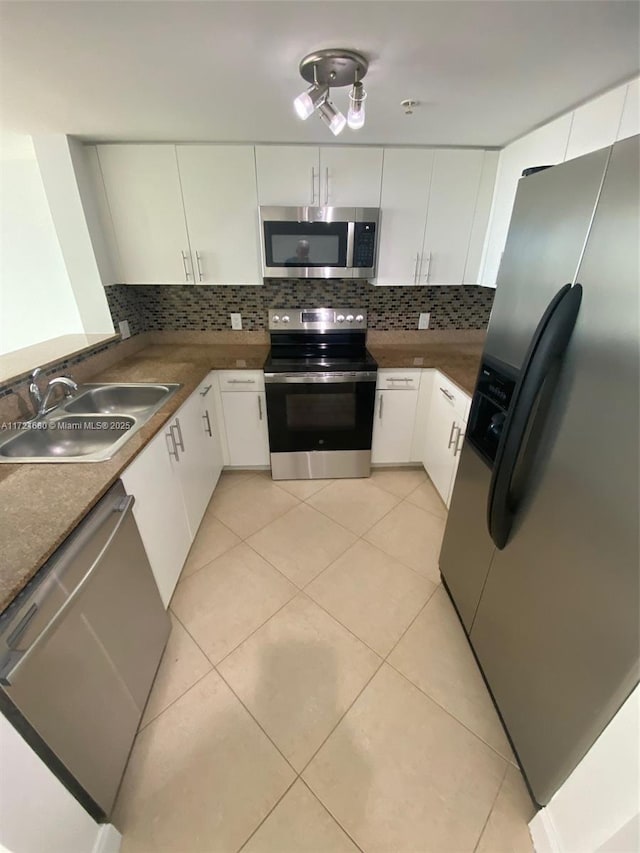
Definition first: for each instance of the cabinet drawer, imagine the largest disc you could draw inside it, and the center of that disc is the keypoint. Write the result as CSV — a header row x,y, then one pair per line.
x,y
241,380
449,391
396,379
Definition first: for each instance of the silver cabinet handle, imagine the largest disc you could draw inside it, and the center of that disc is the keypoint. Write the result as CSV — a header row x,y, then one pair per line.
x,y
260,407
326,185
187,274
241,381
428,273
459,443
447,394
313,185
380,407
198,261
177,428
124,508
399,379
415,271
207,424
174,452
454,427
206,390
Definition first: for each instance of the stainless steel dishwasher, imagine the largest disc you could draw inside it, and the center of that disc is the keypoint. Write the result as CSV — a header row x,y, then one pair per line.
x,y
79,650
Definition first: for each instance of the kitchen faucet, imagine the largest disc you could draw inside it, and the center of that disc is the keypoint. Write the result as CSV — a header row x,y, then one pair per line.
x,y
41,401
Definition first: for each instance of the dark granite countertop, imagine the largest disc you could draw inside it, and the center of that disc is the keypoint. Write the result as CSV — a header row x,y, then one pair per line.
x,y
459,361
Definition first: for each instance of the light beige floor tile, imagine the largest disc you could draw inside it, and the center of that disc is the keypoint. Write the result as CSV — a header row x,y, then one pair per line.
x,y
247,507
506,830
435,655
300,824
398,481
356,504
229,479
182,664
401,775
297,675
412,536
301,543
222,603
303,489
213,538
426,497
373,595
201,776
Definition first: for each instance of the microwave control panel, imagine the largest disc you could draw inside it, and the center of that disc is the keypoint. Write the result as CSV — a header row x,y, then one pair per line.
x,y
364,244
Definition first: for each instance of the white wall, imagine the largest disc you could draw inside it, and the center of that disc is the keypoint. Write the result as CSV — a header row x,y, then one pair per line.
x,y
598,807
596,124
37,813
36,298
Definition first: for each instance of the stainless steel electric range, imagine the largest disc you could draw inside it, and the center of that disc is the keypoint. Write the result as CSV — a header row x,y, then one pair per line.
x,y
320,385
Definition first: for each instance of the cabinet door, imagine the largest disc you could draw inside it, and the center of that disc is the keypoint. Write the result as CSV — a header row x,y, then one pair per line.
x,y
288,175
245,416
221,207
406,176
595,124
159,512
481,218
210,420
143,191
459,434
452,200
195,465
350,177
440,442
630,121
393,424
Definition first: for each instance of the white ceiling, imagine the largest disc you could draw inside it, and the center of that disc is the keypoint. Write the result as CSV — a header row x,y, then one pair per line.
x,y
485,71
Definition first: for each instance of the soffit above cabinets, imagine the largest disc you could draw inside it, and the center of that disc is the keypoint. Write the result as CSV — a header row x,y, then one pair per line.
x,y
485,71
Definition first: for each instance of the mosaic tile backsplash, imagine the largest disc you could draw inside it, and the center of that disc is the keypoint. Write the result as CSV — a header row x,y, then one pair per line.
x,y
206,308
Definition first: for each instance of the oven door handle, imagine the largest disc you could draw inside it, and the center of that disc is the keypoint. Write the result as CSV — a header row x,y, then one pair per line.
x,y
319,378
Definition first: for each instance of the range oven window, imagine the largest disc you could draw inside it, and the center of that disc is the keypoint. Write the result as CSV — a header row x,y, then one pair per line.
x,y
305,244
320,416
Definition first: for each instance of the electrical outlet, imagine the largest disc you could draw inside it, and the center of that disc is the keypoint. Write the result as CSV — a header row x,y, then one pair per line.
x,y
423,322
236,322
125,331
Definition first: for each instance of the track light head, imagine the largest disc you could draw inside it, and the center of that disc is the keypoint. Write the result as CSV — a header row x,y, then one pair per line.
x,y
355,116
332,117
308,101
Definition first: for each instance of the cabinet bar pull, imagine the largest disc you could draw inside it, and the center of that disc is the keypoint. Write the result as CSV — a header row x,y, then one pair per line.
x,y
447,394
428,274
198,260
187,274
459,443
415,271
207,423
241,381
399,379
380,408
326,185
179,431
313,185
206,390
260,408
174,452
453,428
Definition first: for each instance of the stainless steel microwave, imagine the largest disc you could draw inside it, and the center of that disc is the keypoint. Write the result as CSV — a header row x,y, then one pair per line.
x,y
319,242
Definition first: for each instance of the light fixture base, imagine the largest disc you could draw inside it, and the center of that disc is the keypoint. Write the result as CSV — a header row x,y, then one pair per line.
x,y
334,67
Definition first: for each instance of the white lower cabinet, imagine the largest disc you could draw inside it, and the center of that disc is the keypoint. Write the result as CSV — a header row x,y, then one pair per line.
x,y
394,417
172,481
244,409
446,425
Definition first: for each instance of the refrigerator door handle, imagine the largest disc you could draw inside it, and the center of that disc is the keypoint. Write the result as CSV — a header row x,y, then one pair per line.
x,y
542,363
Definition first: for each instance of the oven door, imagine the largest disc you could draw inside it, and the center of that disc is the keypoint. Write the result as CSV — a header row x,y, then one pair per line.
x,y
320,411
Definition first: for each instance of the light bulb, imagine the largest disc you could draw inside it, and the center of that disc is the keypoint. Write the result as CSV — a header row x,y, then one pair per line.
x,y
307,102
332,117
355,116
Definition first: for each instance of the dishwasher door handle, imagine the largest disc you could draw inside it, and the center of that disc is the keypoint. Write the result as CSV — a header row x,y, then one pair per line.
x,y
17,658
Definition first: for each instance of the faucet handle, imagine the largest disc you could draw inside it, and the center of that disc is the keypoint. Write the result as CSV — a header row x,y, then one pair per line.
x,y
35,373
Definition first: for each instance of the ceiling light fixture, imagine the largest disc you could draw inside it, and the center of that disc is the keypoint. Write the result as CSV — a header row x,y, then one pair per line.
x,y
333,68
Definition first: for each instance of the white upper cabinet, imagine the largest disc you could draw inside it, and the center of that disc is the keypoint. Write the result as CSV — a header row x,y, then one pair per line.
x,y
630,121
306,176
143,191
595,124
221,209
350,176
481,217
452,200
288,175
406,177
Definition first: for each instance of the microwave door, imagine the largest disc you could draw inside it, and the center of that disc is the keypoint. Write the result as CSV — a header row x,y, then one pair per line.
x,y
305,249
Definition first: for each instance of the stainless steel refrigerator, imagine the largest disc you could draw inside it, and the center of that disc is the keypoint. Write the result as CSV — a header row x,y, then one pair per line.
x,y
540,553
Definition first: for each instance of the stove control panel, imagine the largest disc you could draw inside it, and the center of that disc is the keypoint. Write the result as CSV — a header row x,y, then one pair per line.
x,y
317,319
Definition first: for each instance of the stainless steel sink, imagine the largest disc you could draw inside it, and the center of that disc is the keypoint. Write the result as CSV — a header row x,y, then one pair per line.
x,y
112,399
90,427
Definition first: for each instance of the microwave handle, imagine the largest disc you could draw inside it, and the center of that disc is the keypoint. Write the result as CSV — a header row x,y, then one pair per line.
x,y
351,230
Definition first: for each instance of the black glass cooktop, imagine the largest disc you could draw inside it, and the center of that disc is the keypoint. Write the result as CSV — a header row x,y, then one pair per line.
x,y
319,363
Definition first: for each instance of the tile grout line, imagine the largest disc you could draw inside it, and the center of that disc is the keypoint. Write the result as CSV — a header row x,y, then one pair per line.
x,y
331,815
493,805
199,569
268,814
